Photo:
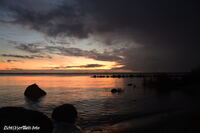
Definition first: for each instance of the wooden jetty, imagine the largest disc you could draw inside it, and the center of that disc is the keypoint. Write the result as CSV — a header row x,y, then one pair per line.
x,y
139,75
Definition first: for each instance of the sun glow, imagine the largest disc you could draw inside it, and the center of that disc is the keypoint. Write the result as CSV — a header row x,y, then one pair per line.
x,y
58,63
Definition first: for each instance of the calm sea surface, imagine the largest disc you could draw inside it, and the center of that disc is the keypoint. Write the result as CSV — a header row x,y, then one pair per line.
x,y
96,105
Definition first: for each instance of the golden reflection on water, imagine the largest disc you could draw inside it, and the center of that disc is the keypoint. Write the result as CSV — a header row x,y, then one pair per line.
x,y
60,89
61,81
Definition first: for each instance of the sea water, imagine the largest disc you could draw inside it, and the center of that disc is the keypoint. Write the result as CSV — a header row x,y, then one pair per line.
x,y
97,106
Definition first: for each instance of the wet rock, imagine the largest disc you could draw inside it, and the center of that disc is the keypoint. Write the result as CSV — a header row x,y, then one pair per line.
x,y
34,92
65,113
130,84
27,121
64,118
116,90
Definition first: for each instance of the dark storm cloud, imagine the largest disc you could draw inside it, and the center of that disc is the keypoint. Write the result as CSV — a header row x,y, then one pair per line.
x,y
168,30
17,56
65,19
86,66
92,65
32,48
25,56
64,51
12,61
93,54
81,66
30,5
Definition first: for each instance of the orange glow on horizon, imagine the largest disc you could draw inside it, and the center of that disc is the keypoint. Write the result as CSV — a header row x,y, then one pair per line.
x,y
74,63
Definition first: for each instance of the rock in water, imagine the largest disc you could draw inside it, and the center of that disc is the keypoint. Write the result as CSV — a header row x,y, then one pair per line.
x,y
118,90
34,92
114,91
130,84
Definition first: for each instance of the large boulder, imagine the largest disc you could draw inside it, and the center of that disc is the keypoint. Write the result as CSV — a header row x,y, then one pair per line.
x,y
34,92
21,120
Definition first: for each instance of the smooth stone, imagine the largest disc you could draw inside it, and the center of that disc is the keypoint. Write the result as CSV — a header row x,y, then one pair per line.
x,y
34,92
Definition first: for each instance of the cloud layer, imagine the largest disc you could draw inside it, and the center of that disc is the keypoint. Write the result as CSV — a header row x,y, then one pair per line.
x,y
69,51
24,56
81,66
167,30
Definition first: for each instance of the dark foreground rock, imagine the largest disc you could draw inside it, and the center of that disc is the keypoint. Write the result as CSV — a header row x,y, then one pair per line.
x,y
64,118
34,92
20,120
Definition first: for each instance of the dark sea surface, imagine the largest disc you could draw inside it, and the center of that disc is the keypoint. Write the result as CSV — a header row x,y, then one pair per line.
x,y
97,106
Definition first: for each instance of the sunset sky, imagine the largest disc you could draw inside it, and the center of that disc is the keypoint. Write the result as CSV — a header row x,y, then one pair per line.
x,y
99,35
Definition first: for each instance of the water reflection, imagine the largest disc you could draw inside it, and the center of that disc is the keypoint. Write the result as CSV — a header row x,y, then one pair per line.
x,y
30,104
96,105
62,81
